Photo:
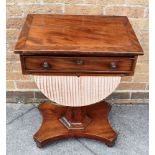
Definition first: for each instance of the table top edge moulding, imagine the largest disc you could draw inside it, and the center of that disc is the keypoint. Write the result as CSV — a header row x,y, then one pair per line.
x,y
77,35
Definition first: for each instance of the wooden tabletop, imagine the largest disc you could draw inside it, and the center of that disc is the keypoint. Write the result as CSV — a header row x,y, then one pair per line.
x,y
77,35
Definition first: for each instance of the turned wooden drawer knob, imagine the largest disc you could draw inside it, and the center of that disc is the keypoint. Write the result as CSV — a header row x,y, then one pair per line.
x,y
45,65
79,62
113,65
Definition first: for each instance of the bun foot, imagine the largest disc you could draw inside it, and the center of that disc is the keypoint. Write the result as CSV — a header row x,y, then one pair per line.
x,y
110,144
38,144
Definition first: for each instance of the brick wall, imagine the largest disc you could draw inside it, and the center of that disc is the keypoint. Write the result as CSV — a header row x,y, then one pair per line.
x,y
20,87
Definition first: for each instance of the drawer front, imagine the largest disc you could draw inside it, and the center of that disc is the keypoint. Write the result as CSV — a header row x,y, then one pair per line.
x,y
51,64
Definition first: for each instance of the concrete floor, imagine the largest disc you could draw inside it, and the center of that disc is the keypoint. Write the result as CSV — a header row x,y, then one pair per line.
x,y
130,121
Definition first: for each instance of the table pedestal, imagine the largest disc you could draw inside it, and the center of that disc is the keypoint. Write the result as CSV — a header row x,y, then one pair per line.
x,y
64,122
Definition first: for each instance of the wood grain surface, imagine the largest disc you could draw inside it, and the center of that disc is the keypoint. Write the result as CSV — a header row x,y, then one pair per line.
x,y
97,128
54,65
77,35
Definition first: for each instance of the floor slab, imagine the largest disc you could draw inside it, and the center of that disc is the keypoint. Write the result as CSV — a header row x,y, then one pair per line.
x,y
13,111
130,121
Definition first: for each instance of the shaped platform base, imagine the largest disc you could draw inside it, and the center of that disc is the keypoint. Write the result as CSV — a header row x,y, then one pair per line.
x,y
64,122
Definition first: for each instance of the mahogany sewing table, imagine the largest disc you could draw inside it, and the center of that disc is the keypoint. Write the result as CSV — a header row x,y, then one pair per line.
x,y
76,45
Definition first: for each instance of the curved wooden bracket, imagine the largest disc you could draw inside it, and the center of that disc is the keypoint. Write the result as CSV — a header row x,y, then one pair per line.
x,y
87,122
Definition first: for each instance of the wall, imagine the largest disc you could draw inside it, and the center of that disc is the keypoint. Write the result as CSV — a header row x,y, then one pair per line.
x,y
22,88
